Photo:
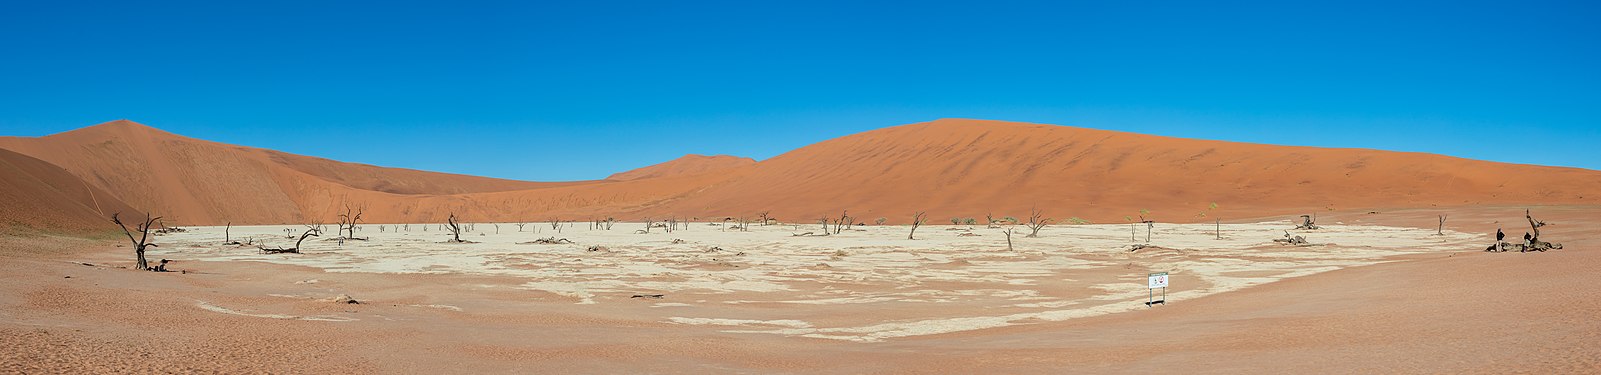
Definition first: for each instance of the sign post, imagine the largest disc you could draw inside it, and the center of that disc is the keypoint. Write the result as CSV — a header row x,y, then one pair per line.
x,y
1153,281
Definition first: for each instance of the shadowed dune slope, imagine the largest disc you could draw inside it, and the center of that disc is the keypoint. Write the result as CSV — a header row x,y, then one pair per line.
x,y
967,168
688,165
37,195
949,168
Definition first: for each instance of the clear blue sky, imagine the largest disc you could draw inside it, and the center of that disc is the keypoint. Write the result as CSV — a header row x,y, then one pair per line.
x,y
578,90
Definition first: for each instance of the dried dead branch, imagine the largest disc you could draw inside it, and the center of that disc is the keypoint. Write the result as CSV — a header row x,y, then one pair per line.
x,y
1291,239
454,228
1308,222
1036,222
547,241
312,230
348,221
917,220
143,242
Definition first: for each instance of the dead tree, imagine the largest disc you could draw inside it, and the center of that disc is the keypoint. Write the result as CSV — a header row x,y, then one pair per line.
x,y
1534,225
1035,222
844,218
1308,222
1132,230
1534,243
1440,231
454,228
1149,225
348,221
555,223
140,244
989,220
312,230
917,220
764,215
609,222
1008,232
649,223
1291,239
520,226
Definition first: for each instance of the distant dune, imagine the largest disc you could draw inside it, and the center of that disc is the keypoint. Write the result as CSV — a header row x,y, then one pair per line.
x,y
193,181
688,165
967,168
949,168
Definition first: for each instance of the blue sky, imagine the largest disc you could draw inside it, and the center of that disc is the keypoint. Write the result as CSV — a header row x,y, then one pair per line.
x,y
579,90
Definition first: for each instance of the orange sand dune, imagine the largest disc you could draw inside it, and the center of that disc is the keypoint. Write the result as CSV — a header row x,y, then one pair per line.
x,y
687,165
199,182
967,168
949,168
38,195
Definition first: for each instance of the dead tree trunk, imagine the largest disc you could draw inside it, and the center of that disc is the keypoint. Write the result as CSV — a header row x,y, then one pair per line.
x,y
454,228
1534,225
1035,222
764,216
917,220
348,221
1440,231
140,244
1149,225
1308,222
1008,232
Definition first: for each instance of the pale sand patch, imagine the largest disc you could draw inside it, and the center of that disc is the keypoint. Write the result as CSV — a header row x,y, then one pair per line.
x,y
1069,271
219,309
442,307
740,322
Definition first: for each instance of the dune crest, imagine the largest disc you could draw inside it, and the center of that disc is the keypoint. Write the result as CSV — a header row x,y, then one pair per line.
x,y
687,165
948,167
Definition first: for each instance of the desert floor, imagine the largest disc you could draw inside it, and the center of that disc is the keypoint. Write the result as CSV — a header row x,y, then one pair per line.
x,y
1378,290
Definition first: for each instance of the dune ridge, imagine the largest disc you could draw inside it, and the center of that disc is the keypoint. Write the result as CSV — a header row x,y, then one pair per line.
x,y
687,165
948,168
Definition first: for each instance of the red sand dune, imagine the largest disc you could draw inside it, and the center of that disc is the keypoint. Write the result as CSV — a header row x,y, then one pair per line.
x,y
38,195
193,181
967,168
949,168
688,165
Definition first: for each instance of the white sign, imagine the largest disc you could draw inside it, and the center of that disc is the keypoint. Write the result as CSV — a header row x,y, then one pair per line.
x,y
1157,280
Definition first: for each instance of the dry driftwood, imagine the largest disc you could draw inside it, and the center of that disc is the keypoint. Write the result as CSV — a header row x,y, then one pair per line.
x,y
311,231
1291,239
547,241
1308,222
